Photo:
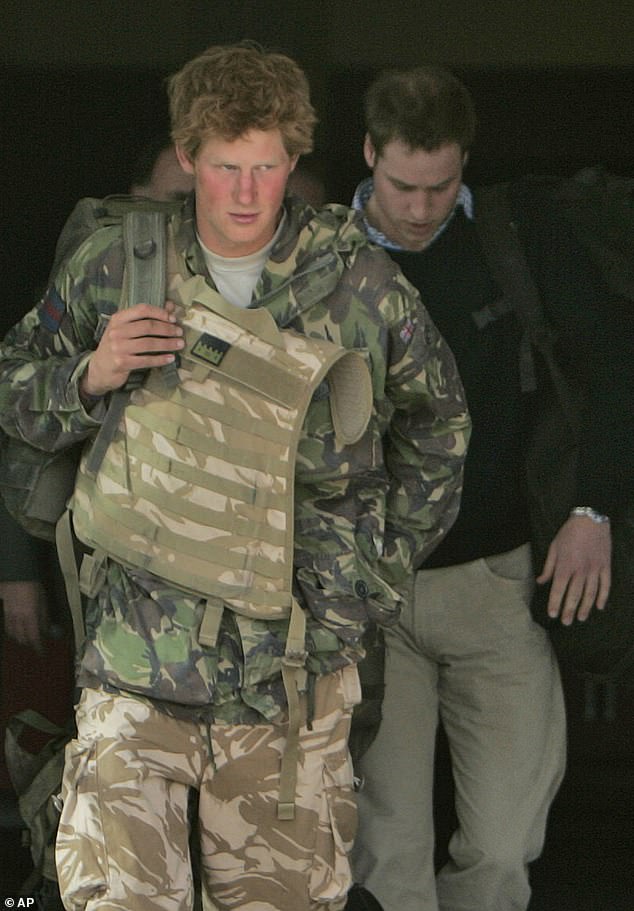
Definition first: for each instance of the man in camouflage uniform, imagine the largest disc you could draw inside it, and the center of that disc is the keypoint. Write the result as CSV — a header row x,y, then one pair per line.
x,y
163,715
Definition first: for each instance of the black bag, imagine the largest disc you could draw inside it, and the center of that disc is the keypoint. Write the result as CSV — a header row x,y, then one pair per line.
x,y
599,207
36,485
602,646
37,780
359,899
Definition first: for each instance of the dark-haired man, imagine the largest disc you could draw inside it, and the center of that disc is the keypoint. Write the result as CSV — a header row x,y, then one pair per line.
x,y
466,650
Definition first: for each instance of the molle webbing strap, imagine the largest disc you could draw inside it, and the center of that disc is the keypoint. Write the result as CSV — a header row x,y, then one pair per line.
x,y
294,677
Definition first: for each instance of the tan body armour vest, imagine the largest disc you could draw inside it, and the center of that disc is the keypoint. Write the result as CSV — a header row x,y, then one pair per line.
x,y
197,485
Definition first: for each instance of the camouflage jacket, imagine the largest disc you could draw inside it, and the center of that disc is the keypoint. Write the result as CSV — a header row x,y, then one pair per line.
x,y
394,494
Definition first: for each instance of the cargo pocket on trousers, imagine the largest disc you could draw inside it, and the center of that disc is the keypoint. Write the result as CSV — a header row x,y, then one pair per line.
x,y
331,876
80,852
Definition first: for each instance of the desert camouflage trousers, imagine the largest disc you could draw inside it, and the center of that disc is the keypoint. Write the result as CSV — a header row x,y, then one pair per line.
x,y
123,838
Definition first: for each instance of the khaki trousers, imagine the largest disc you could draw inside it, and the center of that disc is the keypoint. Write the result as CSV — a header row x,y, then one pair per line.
x,y
123,838
467,651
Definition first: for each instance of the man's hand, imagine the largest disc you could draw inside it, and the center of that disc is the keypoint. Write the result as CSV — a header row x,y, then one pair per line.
x,y
137,338
578,566
25,612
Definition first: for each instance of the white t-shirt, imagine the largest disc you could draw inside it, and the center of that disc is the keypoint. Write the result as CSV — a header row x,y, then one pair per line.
x,y
235,277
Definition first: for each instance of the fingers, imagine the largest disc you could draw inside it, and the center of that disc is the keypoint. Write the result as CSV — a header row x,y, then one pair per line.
x,y
154,325
574,597
578,567
159,318
548,568
138,338
145,311
605,583
580,598
24,612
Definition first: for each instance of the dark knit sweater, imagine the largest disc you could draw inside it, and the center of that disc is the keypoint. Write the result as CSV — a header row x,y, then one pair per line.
x,y
454,281
595,350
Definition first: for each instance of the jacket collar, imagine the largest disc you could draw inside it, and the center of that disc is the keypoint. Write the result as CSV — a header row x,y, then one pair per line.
x,y
305,264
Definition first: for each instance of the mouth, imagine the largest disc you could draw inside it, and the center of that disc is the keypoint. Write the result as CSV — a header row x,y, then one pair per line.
x,y
244,218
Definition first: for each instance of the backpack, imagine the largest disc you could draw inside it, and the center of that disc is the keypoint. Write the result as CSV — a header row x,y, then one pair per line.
x,y
601,647
599,207
34,484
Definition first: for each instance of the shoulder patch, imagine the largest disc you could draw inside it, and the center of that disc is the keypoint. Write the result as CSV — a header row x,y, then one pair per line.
x,y
52,310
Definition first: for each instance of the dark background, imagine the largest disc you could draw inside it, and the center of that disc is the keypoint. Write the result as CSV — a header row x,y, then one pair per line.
x,y
81,90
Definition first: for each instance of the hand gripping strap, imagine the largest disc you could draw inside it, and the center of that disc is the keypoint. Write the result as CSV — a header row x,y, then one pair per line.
x,y
147,253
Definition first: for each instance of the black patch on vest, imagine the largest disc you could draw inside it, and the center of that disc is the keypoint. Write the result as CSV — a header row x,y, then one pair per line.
x,y
210,349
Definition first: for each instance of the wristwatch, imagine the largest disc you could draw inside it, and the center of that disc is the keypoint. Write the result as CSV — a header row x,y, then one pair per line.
x,y
589,513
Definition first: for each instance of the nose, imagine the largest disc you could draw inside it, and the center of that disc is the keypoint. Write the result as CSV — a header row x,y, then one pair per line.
x,y
245,187
421,206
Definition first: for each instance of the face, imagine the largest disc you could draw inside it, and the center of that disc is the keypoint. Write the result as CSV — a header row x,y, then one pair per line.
x,y
414,191
239,190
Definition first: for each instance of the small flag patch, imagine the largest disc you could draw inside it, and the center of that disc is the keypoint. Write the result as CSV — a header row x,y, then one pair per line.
x,y
407,330
52,310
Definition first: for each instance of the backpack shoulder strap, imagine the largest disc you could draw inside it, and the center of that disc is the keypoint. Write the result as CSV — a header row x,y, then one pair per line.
x,y
145,247
144,242
505,257
148,249
507,261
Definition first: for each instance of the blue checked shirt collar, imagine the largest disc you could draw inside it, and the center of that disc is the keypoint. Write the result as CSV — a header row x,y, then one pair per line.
x,y
364,192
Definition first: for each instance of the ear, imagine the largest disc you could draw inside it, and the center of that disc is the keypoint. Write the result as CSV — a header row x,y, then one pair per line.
x,y
465,159
294,161
368,152
184,160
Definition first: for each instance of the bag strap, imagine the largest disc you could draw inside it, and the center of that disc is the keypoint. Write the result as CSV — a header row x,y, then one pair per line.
x,y
505,256
145,246
67,559
147,252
